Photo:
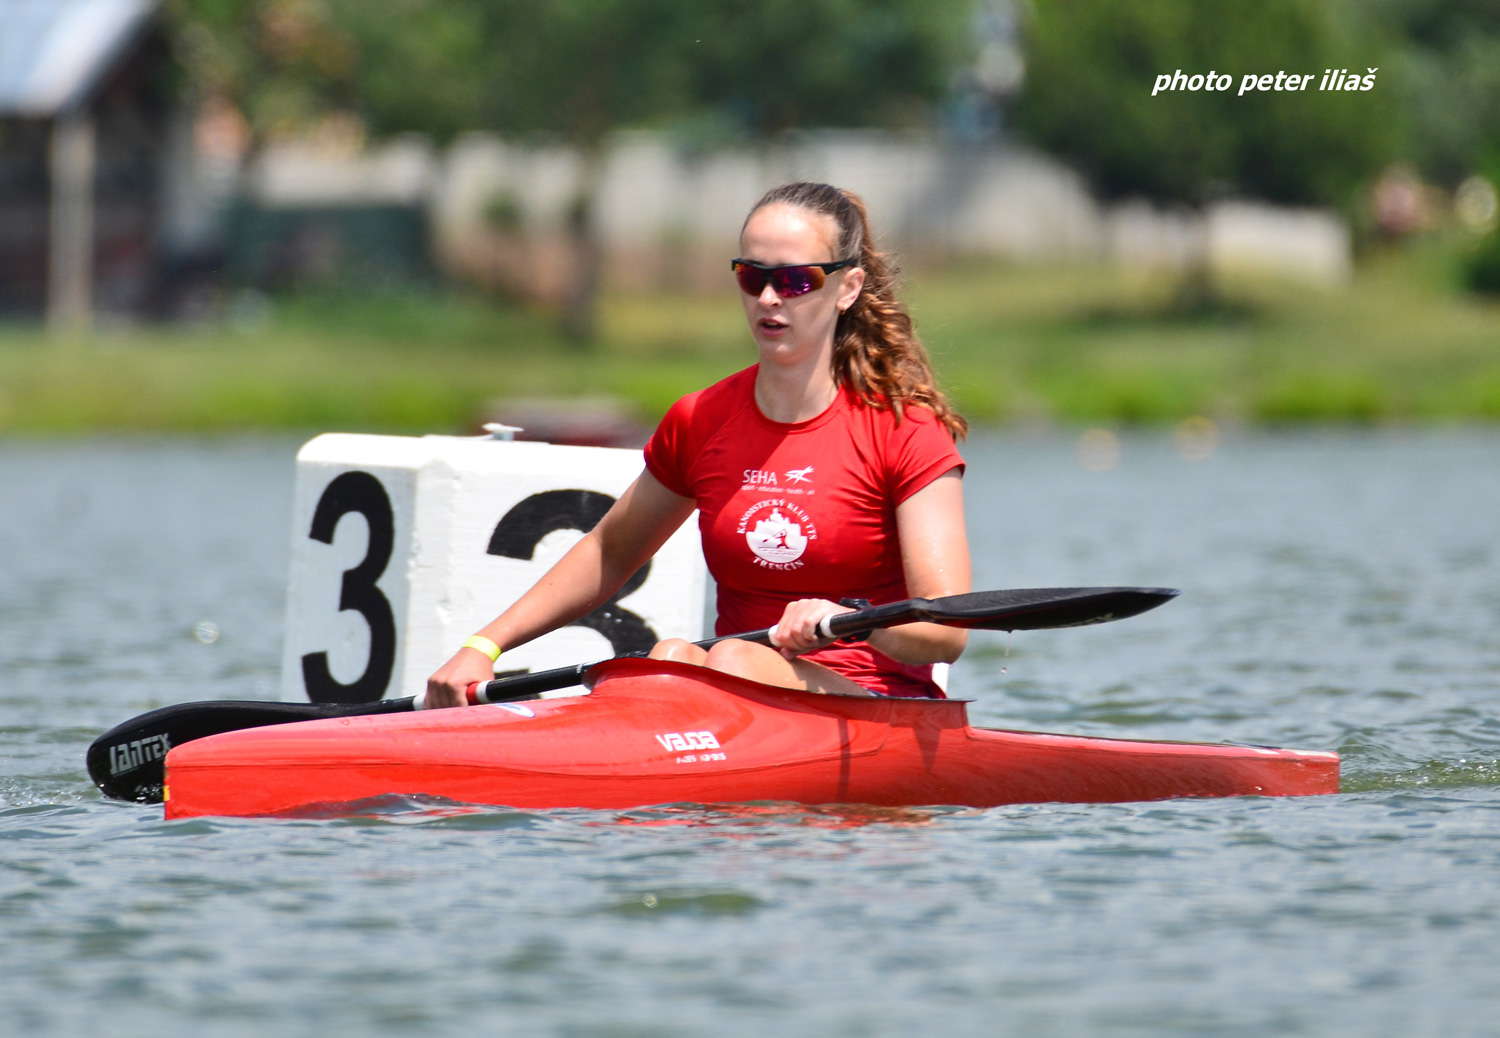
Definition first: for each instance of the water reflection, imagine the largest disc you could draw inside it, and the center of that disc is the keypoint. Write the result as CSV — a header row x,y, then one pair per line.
x,y
765,815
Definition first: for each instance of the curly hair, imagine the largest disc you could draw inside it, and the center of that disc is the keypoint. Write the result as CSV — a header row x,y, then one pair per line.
x,y
876,352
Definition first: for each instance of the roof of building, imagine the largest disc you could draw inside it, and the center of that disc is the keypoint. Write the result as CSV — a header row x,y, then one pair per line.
x,y
54,52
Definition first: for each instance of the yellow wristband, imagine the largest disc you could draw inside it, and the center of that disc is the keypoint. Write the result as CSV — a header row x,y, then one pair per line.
x,y
484,645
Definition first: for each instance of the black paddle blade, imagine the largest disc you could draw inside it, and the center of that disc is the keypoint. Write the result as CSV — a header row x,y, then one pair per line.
x,y
128,762
1029,609
1043,608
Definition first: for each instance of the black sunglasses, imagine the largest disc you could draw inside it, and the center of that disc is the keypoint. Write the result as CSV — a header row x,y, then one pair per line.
x,y
787,281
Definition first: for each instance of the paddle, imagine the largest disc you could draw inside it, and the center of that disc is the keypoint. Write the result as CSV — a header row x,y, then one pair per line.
x,y
126,762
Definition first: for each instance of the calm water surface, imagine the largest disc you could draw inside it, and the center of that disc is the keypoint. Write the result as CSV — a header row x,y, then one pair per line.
x,y
1342,591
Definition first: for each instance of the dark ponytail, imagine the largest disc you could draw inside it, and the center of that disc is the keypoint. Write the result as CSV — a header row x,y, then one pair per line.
x,y
876,352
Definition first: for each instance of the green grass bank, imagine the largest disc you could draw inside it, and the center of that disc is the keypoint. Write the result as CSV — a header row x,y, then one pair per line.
x,y
1011,344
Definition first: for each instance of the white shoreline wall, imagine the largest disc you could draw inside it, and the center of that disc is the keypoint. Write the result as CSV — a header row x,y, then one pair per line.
x,y
669,218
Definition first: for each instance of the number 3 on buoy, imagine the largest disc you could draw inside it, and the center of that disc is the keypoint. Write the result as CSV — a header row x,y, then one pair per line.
x,y
363,493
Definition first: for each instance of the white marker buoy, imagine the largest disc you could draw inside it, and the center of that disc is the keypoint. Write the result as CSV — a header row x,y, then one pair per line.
x,y
402,547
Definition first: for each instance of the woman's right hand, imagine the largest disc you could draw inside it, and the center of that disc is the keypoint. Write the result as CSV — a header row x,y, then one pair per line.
x,y
797,631
449,685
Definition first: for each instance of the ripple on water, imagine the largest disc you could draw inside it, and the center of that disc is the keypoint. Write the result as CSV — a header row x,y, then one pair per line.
x,y
1339,593
689,902
1426,775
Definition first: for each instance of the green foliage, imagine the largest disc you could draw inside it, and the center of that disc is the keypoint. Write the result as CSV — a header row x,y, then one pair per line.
x,y
1340,396
773,65
1092,64
1447,76
1483,267
573,68
503,212
284,62
576,69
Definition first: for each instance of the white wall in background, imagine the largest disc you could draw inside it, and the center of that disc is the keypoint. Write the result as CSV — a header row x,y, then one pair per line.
x,y
668,215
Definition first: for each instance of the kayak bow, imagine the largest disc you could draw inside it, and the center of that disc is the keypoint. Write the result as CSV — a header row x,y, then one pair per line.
x,y
653,732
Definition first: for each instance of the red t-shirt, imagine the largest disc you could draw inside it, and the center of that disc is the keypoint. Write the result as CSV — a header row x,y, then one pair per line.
x,y
802,509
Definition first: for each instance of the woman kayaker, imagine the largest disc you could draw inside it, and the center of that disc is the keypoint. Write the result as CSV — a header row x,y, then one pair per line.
x,y
826,472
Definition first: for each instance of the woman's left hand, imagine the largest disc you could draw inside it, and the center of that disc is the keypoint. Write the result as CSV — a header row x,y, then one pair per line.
x,y
797,631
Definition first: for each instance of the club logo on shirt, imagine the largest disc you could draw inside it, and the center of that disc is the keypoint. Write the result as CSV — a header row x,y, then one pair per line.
x,y
778,532
767,480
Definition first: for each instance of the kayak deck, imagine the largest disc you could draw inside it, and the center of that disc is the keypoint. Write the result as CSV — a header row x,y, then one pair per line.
x,y
652,732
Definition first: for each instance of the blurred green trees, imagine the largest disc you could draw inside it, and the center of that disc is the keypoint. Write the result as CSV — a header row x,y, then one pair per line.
x,y
1482,263
283,65
719,71
1482,266
1092,65
1448,80
575,70
578,69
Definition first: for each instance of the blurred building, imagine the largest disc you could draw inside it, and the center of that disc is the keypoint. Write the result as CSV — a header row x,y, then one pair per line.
x,y
497,213
323,210
91,145
670,219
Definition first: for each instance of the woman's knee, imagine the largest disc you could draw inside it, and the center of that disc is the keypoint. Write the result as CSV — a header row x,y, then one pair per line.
x,y
769,667
678,650
740,657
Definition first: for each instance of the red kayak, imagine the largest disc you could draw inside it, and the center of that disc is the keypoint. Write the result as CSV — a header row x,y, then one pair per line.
x,y
651,733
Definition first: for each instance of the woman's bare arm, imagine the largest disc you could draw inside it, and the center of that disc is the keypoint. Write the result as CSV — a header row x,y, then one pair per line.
x,y
935,556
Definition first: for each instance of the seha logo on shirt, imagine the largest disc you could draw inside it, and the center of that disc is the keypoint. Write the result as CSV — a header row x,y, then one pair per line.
x,y
778,532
